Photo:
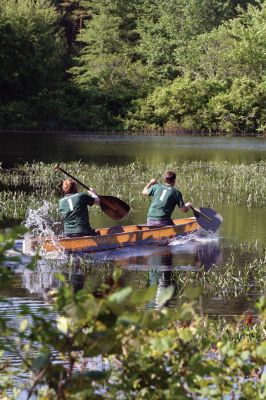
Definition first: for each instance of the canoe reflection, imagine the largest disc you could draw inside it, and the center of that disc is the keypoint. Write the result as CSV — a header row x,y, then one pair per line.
x,y
144,267
158,262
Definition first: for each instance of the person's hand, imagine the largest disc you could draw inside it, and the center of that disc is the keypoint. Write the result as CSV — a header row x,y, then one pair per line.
x,y
92,190
153,182
188,205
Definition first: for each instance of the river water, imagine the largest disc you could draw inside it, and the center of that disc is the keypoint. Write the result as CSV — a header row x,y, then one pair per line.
x,y
146,265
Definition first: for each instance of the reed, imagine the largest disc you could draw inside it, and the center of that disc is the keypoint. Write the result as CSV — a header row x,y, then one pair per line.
x,y
219,182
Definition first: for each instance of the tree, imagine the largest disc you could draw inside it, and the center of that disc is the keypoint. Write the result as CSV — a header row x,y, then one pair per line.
x,y
234,49
167,26
31,48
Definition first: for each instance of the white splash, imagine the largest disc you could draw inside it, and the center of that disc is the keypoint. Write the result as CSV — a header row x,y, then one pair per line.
x,y
42,227
200,236
38,220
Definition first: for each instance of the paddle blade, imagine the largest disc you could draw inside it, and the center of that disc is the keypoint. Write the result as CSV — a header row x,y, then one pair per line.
x,y
213,220
114,207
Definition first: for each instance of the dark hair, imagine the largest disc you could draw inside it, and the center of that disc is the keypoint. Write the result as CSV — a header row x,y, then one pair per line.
x,y
69,186
169,176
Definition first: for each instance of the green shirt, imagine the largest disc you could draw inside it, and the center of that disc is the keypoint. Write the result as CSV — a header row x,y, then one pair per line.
x,y
74,208
165,198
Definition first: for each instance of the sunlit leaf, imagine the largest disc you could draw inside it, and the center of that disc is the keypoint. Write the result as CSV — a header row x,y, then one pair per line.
x,y
120,295
63,324
142,296
185,334
261,350
23,325
162,344
117,274
165,295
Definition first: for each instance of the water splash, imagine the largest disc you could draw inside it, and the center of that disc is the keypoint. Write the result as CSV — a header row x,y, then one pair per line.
x,y
42,227
201,236
38,220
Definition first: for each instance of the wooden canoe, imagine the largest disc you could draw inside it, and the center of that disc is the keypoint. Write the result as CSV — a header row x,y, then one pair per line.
x,y
114,237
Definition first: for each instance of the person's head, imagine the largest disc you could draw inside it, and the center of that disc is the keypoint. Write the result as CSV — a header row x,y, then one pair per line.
x,y
69,186
169,177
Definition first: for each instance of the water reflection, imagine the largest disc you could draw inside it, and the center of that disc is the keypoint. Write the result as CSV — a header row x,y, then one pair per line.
x,y
158,262
20,147
157,266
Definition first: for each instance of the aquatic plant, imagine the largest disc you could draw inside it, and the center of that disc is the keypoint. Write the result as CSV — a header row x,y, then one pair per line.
x,y
26,186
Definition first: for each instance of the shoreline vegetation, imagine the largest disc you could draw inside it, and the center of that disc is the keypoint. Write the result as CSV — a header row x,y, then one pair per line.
x,y
148,66
145,132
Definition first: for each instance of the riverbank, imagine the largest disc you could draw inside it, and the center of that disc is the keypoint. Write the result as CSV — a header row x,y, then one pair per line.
x,y
144,132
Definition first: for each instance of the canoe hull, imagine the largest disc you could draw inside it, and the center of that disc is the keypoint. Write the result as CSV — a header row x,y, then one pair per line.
x,y
114,237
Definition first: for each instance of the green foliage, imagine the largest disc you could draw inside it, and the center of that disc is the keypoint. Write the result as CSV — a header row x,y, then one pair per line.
x,y
100,64
235,49
181,103
108,63
166,27
204,105
241,109
157,354
31,48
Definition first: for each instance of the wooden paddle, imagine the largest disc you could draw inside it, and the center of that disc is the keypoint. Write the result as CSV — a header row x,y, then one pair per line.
x,y
111,206
207,218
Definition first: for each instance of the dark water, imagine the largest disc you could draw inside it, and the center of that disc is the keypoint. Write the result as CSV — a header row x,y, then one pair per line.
x,y
121,149
147,265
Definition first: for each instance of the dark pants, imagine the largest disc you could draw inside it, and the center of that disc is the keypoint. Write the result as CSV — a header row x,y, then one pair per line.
x,y
89,233
159,222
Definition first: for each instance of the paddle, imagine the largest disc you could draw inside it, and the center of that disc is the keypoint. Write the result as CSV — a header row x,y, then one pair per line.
x,y
207,218
111,206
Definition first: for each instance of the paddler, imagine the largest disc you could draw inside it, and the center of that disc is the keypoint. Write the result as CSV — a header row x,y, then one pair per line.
x,y
165,198
74,208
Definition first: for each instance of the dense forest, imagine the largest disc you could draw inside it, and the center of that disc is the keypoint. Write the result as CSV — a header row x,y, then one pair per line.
x,y
142,65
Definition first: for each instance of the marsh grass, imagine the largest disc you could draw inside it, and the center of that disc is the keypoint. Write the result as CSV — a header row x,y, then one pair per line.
x,y
246,277
227,281
27,185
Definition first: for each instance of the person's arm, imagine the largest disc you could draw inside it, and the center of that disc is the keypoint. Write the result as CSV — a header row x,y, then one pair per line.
x,y
186,207
151,183
93,194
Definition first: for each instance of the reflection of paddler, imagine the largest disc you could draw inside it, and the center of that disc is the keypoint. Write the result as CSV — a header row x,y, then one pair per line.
x,y
161,277
77,280
208,255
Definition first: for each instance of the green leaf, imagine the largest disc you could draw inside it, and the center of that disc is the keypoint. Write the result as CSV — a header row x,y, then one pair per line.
x,y
63,324
165,295
185,334
60,277
121,295
261,350
193,293
41,361
23,325
143,296
162,344
117,274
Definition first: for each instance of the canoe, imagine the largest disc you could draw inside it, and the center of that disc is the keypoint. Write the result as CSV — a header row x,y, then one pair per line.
x,y
112,238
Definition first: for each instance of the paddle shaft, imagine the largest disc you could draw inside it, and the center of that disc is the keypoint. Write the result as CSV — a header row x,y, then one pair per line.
x,y
111,206
72,177
81,184
196,211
